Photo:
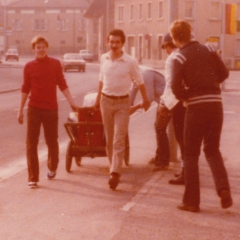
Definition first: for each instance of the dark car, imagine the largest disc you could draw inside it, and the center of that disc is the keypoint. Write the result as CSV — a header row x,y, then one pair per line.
x,y
73,61
12,54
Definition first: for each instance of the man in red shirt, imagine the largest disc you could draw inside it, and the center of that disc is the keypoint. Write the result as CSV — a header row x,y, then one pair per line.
x,y
41,78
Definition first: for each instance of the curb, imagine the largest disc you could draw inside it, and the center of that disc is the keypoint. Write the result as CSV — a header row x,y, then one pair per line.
x,y
10,90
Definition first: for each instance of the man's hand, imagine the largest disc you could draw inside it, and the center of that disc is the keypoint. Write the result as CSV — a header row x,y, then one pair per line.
x,y
163,111
20,118
75,108
146,105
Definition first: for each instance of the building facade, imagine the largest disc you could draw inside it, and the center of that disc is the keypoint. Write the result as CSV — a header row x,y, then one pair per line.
x,y
146,21
60,21
100,20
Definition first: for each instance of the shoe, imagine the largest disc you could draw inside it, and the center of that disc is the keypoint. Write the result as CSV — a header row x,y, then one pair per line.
x,y
160,168
177,174
226,199
152,161
177,181
51,175
113,180
189,208
32,185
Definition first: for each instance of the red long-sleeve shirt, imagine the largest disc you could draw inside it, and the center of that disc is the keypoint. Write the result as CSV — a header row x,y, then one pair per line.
x,y
41,78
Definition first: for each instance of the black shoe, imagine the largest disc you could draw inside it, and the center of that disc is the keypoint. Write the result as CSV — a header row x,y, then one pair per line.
x,y
189,208
113,180
226,200
177,181
152,161
51,175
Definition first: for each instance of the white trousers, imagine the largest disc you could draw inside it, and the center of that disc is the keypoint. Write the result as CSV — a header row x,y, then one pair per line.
x,y
115,116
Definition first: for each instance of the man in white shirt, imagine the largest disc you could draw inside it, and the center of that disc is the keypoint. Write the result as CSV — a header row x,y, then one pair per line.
x,y
117,71
170,107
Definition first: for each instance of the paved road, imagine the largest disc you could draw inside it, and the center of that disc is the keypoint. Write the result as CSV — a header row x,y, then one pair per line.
x,y
80,205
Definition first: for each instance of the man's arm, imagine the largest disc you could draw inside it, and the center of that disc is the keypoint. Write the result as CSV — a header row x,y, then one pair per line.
x,y
23,100
221,69
143,92
177,81
97,103
69,98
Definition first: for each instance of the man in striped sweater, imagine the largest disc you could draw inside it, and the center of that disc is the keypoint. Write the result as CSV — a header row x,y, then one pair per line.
x,y
196,75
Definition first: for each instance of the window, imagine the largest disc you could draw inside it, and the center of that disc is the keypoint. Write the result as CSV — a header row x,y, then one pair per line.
x,y
149,48
238,17
149,10
140,13
120,13
63,24
40,24
132,12
189,9
140,48
238,11
160,42
215,12
17,25
237,51
160,9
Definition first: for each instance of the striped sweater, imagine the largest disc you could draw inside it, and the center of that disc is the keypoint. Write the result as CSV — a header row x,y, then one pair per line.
x,y
197,73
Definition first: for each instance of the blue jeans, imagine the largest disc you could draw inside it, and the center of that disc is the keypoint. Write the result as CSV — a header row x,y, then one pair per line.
x,y
203,123
163,151
49,119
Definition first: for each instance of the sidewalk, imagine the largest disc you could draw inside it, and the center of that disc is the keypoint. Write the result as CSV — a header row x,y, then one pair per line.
x,y
56,210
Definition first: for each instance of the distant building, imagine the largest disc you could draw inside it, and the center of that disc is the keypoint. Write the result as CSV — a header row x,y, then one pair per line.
x,y
60,21
216,22
100,20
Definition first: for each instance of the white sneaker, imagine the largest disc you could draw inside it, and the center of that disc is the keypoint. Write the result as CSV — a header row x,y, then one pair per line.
x,y
32,184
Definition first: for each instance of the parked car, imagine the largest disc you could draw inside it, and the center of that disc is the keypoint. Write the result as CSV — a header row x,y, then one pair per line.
x,y
86,55
12,54
73,61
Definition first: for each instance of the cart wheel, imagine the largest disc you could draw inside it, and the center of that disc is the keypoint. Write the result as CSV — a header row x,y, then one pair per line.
x,y
127,151
69,157
78,161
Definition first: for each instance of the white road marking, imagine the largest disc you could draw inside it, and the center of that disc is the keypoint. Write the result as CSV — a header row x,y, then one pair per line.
x,y
229,112
145,189
20,164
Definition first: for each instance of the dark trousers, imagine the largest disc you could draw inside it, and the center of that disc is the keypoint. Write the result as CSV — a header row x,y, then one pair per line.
x,y
203,123
163,151
49,120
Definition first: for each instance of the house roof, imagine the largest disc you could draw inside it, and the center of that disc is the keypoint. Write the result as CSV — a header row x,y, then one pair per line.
x,y
96,9
29,4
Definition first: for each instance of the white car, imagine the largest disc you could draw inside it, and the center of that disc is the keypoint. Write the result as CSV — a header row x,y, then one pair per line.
x,y
12,53
86,55
73,61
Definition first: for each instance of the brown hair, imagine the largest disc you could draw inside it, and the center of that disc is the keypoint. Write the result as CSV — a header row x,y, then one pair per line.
x,y
118,33
181,31
39,39
168,44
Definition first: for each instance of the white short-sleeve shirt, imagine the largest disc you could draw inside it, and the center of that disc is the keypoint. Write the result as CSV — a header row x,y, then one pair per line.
x,y
118,75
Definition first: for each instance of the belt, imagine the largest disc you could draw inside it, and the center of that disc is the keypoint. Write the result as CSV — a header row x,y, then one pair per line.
x,y
115,97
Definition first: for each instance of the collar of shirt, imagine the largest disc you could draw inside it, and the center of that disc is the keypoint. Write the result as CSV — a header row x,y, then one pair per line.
x,y
122,58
